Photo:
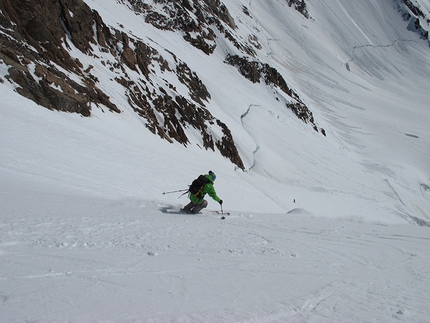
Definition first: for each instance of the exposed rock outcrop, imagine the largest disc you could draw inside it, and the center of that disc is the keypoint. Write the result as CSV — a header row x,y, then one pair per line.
x,y
39,41
300,6
33,32
196,20
256,71
419,20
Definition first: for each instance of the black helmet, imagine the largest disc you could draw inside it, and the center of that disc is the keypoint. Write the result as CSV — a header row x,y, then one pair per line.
x,y
212,174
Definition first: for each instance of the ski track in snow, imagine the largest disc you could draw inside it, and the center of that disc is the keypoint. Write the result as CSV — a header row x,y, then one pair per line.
x,y
254,153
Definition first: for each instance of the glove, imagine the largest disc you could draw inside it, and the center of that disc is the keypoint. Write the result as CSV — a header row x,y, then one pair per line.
x,y
220,202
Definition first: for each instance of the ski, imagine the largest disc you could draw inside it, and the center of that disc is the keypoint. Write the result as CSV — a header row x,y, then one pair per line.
x,y
207,212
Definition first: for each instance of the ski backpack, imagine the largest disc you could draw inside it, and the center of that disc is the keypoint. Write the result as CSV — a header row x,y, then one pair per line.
x,y
197,185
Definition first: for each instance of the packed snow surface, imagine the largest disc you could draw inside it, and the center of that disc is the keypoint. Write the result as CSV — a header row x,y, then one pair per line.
x,y
321,229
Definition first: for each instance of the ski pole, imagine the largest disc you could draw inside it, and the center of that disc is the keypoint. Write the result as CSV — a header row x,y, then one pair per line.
x,y
183,194
164,193
222,213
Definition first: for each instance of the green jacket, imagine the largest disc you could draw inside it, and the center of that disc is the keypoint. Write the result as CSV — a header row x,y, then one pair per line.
x,y
207,189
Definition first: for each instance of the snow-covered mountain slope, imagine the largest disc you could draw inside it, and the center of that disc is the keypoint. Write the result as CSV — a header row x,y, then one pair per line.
x,y
353,72
325,226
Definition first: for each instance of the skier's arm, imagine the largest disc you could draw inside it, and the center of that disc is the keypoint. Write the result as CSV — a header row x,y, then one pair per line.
x,y
211,192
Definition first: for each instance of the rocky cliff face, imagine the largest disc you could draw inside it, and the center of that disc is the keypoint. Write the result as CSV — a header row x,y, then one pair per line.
x,y
33,42
37,38
418,18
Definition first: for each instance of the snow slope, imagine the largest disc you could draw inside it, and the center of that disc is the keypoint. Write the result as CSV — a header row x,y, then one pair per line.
x,y
322,229
86,259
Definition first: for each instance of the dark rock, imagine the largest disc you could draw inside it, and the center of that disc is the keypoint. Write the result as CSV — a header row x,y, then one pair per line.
x,y
256,72
39,35
179,16
129,58
77,19
226,146
300,6
46,26
198,90
145,55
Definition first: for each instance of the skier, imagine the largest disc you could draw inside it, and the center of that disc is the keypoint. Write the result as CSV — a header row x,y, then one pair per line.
x,y
197,201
